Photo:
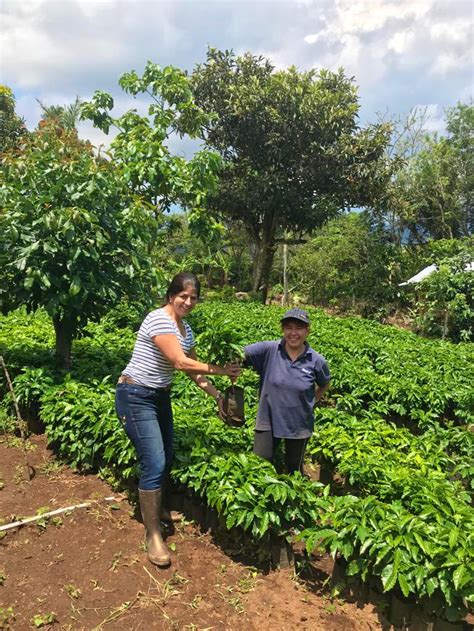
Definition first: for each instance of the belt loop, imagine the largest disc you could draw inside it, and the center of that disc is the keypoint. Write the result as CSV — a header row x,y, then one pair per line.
x,y
126,379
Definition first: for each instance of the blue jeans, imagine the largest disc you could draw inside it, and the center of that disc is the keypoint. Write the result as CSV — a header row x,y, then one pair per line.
x,y
148,421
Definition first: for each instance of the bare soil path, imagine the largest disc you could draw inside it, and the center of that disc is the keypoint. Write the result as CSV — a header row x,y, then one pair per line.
x,y
87,569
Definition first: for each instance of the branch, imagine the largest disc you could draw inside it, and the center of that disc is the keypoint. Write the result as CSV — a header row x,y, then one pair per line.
x,y
21,422
58,511
291,241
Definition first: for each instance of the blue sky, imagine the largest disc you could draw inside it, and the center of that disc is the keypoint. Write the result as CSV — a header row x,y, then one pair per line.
x,y
402,53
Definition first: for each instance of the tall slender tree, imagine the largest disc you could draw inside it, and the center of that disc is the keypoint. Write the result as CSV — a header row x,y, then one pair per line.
x,y
66,116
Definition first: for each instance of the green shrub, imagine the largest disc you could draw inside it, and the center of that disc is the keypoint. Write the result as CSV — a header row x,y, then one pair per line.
x,y
446,304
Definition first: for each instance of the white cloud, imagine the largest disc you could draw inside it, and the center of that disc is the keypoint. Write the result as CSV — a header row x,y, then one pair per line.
x,y
312,38
367,16
401,41
45,42
397,50
458,30
93,10
383,43
434,117
446,63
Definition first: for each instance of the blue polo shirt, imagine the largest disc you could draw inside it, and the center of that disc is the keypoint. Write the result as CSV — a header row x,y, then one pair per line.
x,y
287,387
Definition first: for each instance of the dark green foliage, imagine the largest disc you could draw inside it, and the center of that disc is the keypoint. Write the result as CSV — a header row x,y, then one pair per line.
x,y
431,194
71,239
12,127
445,305
293,154
408,517
348,264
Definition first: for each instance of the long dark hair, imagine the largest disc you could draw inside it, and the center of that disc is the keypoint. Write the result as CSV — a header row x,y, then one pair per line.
x,y
180,282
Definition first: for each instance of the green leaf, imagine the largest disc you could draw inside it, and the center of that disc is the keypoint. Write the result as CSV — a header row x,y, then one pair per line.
x,y
355,567
431,584
264,524
453,537
362,533
404,586
75,286
383,553
390,573
389,576
460,576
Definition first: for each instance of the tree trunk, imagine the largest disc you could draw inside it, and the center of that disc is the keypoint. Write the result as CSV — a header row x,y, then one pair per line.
x,y
445,324
209,277
64,328
262,269
285,275
267,268
264,240
257,271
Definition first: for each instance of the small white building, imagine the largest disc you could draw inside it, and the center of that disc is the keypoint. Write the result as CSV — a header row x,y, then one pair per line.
x,y
427,271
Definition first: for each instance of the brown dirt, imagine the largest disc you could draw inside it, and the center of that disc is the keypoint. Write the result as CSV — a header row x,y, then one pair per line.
x,y
90,569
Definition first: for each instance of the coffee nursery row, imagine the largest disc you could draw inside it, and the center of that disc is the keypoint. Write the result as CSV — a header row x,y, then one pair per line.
x,y
394,438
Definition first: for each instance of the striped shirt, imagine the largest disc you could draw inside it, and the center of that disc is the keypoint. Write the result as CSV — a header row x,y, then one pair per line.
x,y
148,366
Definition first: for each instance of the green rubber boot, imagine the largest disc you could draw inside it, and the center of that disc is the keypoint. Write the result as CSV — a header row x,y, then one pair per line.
x,y
150,507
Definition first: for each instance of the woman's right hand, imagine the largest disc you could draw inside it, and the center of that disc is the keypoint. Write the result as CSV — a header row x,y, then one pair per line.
x,y
232,370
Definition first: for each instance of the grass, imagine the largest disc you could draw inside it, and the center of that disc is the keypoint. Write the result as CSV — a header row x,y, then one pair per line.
x,y
51,468
15,442
72,591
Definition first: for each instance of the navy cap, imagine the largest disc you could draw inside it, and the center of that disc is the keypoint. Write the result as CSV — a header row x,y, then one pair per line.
x,y
296,314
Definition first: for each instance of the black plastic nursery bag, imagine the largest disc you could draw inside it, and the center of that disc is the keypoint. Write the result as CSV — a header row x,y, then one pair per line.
x,y
234,411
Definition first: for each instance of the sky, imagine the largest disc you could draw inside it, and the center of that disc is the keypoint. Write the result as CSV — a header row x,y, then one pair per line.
x,y
402,53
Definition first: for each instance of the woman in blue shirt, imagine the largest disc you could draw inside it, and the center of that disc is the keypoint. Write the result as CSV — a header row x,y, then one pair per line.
x,y
293,378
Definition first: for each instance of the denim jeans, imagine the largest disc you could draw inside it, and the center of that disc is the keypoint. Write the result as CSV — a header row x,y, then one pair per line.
x,y
147,417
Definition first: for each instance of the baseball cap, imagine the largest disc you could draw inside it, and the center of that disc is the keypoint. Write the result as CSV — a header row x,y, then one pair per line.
x,y
296,314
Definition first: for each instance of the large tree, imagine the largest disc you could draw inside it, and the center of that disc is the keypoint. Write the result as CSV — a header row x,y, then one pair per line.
x,y
72,239
141,147
293,153
78,230
432,194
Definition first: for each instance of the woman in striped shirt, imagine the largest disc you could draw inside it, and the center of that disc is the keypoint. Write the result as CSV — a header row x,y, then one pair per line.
x,y
164,343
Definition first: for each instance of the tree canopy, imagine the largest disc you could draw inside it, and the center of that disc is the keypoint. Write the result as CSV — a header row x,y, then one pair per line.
x,y
432,194
72,240
294,155
347,262
141,150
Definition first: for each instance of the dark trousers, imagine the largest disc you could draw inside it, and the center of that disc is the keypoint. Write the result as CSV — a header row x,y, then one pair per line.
x,y
265,445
